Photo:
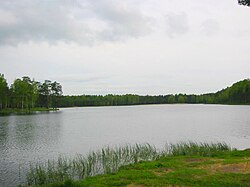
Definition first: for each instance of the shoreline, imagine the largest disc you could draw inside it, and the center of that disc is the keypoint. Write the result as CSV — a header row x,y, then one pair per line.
x,y
9,111
185,164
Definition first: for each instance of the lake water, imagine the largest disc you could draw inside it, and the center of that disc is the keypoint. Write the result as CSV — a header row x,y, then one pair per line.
x,y
37,138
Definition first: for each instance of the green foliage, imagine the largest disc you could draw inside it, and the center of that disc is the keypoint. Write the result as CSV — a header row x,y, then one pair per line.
x,y
27,94
238,93
244,2
226,169
192,148
109,160
49,93
3,92
171,99
24,93
106,160
181,98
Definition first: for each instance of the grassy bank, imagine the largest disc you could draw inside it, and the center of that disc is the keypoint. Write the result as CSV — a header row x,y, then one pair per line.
x,y
17,111
188,164
226,169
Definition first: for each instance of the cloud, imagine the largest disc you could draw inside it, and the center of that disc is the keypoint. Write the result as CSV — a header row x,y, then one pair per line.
x,y
122,20
210,27
77,78
177,24
84,22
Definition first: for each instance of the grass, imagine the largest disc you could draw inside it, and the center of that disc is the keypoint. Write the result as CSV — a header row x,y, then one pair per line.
x,y
142,165
231,169
192,148
105,161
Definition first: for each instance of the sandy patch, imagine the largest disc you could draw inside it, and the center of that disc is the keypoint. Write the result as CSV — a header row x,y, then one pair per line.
x,y
228,168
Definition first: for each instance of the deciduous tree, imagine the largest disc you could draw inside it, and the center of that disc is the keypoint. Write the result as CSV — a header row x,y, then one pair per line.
x,y
244,2
3,91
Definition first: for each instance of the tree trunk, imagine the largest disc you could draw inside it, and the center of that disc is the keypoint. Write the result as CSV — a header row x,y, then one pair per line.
x,y
22,103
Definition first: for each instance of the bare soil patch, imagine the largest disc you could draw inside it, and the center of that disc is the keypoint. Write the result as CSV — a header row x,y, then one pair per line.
x,y
229,168
161,171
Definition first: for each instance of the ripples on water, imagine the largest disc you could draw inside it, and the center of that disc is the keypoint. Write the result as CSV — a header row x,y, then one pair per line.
x,y
37,138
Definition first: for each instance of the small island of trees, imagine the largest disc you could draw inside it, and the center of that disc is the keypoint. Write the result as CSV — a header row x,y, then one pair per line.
x,y
26,95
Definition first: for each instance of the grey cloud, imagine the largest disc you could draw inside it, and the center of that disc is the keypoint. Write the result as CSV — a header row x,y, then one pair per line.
x,y
210,27
122,20
177,24
84,22
37,21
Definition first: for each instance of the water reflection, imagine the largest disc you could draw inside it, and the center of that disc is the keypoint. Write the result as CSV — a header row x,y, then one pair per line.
x,y
23,139
3,132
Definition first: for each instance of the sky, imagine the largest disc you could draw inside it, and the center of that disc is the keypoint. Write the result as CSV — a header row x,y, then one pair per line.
x,y
153,47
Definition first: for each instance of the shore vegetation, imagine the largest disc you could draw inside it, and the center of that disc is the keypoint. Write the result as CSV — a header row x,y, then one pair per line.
x,y
144,165
237,94
26,95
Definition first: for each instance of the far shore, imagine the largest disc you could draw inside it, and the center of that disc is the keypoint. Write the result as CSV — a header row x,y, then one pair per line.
x,y
17,111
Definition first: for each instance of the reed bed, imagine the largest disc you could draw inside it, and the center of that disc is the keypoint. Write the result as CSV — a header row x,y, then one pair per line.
x,y
109,160
198,149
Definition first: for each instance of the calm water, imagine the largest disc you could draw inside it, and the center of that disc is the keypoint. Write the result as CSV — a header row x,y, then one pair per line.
x,y
28,139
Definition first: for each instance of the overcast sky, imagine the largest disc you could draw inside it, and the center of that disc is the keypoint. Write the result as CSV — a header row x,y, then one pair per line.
x,y
130,46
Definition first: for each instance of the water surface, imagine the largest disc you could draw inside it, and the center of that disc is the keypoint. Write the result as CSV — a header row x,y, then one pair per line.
x,y
33,138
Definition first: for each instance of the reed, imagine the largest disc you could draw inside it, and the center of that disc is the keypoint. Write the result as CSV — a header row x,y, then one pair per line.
x,y
196,149
109,160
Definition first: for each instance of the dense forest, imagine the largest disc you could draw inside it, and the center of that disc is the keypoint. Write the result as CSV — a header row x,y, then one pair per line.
x,y
238,93
27,94
244,2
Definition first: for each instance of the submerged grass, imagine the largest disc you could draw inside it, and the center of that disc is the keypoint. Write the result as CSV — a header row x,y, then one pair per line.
x,y
109,160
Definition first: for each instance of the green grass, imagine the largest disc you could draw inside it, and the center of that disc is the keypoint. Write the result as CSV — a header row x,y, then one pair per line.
x,y
106,160
229,169
179,164
192,148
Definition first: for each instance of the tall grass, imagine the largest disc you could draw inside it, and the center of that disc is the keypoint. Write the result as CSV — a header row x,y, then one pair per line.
x,y
109,160
199,149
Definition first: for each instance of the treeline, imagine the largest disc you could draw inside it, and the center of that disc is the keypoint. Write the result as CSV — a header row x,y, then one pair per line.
x,y
244,2
26,93
238,93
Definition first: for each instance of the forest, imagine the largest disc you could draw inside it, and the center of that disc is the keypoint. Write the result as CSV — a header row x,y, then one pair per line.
x,y
26,93
238,93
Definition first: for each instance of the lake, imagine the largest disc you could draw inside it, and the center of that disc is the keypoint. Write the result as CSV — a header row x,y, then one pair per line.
x,y
37,138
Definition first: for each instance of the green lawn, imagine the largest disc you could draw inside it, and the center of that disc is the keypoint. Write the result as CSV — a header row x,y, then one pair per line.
x,y
224,169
